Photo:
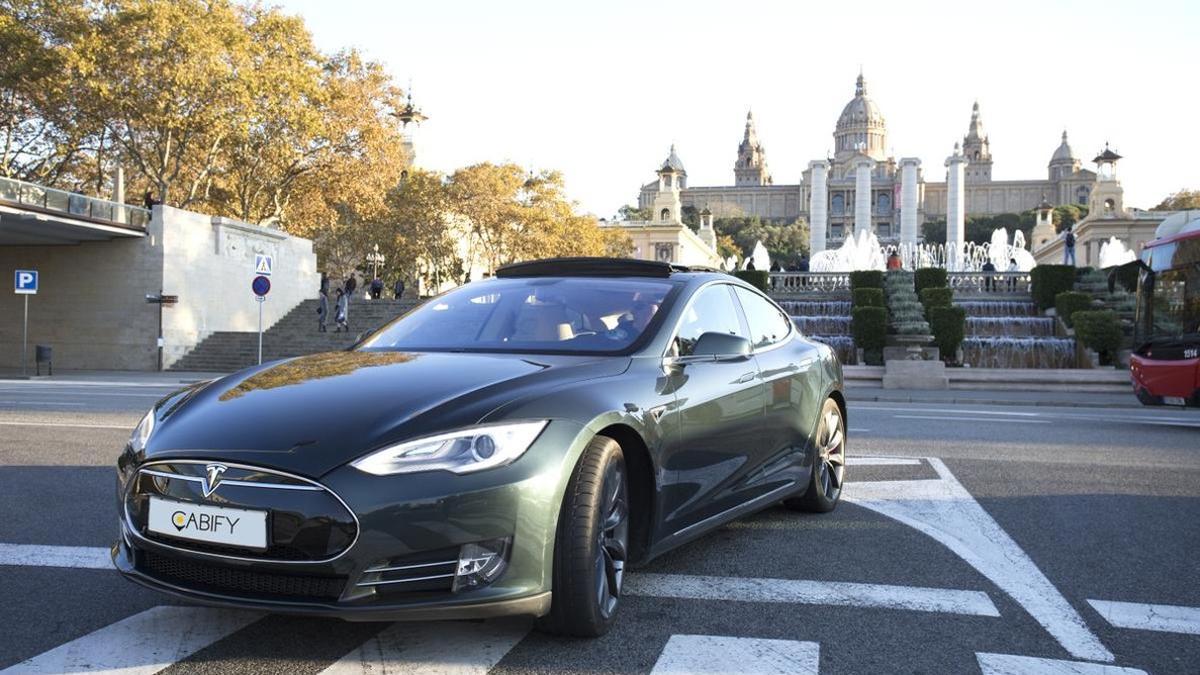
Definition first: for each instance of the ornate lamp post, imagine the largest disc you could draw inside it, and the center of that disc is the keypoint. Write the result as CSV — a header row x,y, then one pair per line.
x,y
376,259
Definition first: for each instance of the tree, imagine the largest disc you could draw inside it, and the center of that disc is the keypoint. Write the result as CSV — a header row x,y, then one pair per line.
x,y
1179,201
630,212
786,244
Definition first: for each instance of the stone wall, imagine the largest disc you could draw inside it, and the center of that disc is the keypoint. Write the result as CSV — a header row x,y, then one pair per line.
x,y
91,306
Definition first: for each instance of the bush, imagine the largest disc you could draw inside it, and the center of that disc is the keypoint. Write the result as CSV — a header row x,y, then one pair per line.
x,y
760,279
929,277
1099,330
938,296
869,325
1050,280
948,325
1069,302
866,279
867,297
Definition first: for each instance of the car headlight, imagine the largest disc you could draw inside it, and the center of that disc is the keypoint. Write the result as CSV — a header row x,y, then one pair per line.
x,y
463,451
141,433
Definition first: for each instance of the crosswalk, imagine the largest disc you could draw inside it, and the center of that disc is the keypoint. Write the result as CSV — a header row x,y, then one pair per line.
x,y
161,637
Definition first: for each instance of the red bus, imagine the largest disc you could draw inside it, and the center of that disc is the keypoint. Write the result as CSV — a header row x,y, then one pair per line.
x,y
1165,365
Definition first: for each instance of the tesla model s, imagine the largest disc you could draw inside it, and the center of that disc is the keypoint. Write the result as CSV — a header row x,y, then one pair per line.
x,y
512,446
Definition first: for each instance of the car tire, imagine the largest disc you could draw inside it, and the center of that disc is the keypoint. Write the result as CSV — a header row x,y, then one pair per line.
x,y
829,463
591,545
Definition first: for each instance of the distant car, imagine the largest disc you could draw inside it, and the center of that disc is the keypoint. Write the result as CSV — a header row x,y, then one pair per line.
x,y
508,447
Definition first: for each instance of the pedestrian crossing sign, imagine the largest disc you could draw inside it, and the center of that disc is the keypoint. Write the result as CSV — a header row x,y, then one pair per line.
x,y
262,264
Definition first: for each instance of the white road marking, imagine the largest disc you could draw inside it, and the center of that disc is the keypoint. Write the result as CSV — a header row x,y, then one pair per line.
x,y
4,403
965,419
1007,664
32,555
882,461
856,430
685,654
1115,415
844,593
445,648
940,408
944,510
1164,618
142,644
124,427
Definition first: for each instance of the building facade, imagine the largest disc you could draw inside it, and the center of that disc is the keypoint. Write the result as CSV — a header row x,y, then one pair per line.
x,y
863,183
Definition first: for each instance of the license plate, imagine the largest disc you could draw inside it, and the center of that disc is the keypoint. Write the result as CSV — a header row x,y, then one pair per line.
x,y
209,524
1174,400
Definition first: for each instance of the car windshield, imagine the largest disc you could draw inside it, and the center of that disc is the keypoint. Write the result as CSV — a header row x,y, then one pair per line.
x,y
561,315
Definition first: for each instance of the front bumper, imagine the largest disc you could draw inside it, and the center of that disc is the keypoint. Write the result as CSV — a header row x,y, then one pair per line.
x,y
410,521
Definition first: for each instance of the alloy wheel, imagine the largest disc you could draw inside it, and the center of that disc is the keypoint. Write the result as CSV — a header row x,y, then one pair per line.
x,y
612,540
832,445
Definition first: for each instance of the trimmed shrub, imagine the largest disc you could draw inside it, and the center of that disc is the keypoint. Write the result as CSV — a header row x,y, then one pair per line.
x,y
869,325
1069,302
1099,330
929,277
866,279
867,297
938,296
1050,280
948,325
760,279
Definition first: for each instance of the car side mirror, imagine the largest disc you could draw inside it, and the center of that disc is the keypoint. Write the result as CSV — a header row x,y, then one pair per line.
x,y
721,346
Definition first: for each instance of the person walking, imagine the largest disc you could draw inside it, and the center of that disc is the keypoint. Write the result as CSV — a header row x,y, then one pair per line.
x,y
398,287
324,283
351,285
149,201
1012,274
376,288
989,279
322,312
1069,247
893,261
341,311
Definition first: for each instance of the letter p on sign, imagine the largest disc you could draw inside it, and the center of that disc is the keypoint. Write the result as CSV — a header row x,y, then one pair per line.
x,y
25,282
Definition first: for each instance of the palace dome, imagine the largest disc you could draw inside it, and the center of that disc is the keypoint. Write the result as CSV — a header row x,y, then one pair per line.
x,y
861,127
861,111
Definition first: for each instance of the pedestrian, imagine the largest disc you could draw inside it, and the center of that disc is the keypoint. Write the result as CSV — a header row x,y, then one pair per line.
x,y
322,312
893,261
398,287
750,265
149,201
989,278
351,284
341,311
324,283
1012,270
376,288
804,264
1069,247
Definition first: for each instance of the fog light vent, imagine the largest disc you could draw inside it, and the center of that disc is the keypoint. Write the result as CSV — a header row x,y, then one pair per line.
x,y
481,563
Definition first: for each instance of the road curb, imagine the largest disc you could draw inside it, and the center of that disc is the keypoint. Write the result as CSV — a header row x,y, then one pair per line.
x,y
985,401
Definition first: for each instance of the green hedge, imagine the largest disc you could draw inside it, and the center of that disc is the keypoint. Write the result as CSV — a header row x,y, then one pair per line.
x,y
869,326
937,297
1050,280
1099,330
929,277
1069,302
866,279
948,325
760,279
868,297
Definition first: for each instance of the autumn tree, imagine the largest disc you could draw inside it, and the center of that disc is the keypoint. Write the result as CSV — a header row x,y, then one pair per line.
x,y
1180,201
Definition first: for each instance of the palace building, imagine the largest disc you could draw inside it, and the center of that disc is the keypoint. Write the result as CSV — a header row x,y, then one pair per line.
x,y
862,184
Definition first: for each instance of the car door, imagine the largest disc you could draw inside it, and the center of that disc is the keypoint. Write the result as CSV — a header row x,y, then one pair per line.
x,y
792,392
719,412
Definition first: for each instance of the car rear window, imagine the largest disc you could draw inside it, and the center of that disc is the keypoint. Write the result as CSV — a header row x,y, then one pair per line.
x,y
569,314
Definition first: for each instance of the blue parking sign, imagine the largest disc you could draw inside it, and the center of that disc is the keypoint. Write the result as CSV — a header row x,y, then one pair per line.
x,y
25,282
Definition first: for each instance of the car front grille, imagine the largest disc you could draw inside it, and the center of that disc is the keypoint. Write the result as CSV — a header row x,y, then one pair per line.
x,y
203,576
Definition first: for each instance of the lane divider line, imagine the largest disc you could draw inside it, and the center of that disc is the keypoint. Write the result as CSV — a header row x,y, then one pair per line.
x,y
1008,664
429,648
866,460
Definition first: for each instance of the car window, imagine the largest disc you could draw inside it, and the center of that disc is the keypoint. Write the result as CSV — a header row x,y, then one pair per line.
x,y
712,310
531,315
768,325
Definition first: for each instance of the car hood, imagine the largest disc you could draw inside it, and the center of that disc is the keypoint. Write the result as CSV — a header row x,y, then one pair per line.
x,y
312,414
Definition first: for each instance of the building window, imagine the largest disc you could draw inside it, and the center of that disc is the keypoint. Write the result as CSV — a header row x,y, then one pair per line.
x,y
1109,205
1081,195
666,214
884,203
839,204
664,252
667,180
883,230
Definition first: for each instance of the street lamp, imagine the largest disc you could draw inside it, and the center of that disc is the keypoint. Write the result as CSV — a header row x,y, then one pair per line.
x,y
376,259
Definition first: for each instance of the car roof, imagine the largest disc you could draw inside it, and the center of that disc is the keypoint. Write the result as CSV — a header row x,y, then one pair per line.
x,y
598,267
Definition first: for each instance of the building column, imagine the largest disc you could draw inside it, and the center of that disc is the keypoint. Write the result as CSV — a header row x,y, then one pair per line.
x,y
862,194
956,211
818,206
908,200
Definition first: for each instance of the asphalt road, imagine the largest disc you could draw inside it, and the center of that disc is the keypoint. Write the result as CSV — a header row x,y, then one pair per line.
x,y
1000,539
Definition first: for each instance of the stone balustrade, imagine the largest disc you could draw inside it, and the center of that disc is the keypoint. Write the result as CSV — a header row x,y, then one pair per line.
x,y
984,283
804,283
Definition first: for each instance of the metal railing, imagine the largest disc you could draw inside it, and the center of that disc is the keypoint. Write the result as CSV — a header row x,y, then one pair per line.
x,y
73,204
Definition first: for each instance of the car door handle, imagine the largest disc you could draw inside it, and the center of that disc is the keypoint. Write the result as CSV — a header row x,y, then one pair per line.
x,y
746,377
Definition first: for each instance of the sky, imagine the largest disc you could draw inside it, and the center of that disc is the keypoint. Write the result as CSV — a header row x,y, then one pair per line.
x,y
600,90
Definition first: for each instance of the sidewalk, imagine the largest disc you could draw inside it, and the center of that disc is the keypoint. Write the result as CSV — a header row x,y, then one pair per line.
x,y
859,394
111,377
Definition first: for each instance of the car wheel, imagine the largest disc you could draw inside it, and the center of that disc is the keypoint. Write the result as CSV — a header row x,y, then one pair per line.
x,y
829,469
592,543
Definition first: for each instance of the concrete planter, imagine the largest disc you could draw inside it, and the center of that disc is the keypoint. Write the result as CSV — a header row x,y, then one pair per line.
x,y
915,374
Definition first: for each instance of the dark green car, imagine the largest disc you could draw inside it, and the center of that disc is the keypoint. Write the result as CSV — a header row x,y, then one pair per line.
x,y
509,447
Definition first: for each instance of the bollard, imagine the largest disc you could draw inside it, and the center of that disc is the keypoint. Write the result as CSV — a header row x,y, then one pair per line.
x,y
44,353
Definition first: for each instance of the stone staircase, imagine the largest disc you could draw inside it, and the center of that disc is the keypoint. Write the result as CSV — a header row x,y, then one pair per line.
x,y
1121,302
293,335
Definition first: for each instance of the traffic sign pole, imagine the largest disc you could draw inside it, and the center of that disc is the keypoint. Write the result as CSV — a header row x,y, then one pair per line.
x,y
25,337
260,304
261,285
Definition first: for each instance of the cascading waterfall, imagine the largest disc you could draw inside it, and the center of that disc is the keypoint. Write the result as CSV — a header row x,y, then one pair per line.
x,y
1010,334
998,308
1010,326
826,321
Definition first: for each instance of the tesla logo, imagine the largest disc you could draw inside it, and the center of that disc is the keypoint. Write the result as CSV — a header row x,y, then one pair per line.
x,y
212,478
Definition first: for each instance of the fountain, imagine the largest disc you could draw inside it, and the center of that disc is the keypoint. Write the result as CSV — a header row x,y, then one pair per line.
x,y
864,252
759,256
1114,253
826,321
857,252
